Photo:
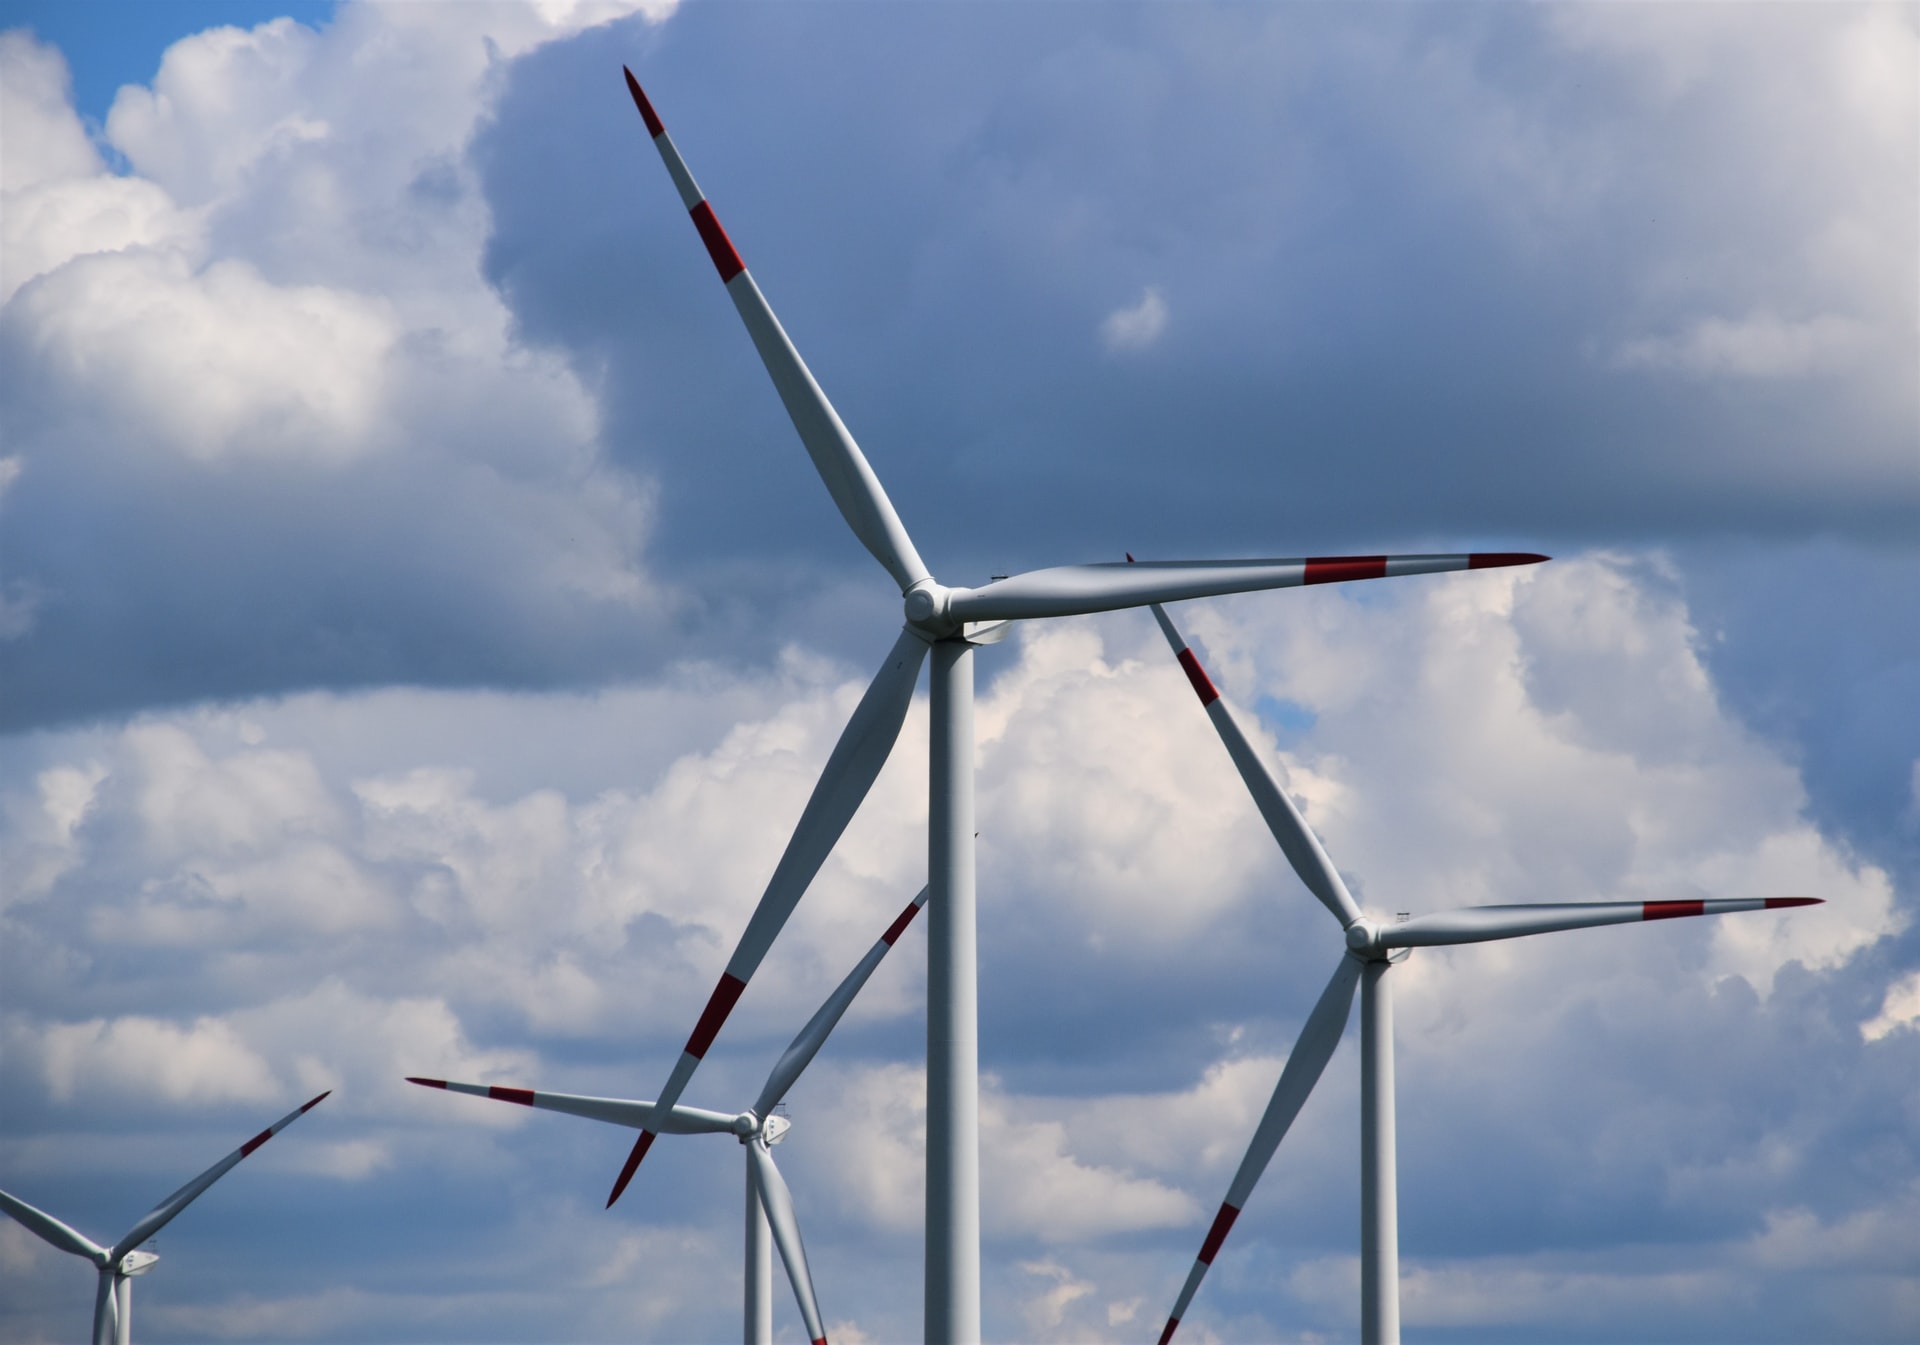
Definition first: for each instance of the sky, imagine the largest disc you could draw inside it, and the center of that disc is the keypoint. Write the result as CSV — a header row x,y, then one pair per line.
x,y
420,629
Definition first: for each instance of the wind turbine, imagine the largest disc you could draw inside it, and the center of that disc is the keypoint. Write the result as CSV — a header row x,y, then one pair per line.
x,y
1372,950
949,622
118,1264
757,1128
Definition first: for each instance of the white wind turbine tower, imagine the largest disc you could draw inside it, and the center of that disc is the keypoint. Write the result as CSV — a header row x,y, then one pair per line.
x,y
1372,950
118,1264
768,1201
949,622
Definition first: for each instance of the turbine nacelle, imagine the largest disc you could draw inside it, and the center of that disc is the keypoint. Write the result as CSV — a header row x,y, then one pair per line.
x,y
749,1126
138,1263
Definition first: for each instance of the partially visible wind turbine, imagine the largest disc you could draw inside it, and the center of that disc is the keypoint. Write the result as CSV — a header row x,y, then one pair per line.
x,y
118,1264
950,622
1372,950
757,1128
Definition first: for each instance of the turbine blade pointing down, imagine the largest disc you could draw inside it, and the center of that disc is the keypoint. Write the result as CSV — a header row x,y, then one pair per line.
x,y
778,1203
851,768
1308,1060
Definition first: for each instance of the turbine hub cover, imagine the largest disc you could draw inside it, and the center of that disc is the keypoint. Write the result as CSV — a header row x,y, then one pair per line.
x,y
927,604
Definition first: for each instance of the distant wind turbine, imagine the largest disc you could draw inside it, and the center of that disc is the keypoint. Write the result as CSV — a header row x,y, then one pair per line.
x,y
1372,949
118,1264
757,1128
949,622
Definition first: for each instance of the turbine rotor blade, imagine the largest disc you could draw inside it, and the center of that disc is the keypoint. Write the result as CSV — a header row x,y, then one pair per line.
x,y
122,1311
855,761
778,1203
1301,846
1073,590
1319,1038
1483,924
105,1309
49,1229
614,1111
807,1043
160,1215
849,479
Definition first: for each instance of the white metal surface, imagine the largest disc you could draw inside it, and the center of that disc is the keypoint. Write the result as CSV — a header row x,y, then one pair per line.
x,y
1379,1178
953,1043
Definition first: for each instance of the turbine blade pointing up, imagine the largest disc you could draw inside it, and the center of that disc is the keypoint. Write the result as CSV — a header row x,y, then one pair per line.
x,y
1302,847
1074,590
49,1229
850,480
160,1215
1483,924
856,759
1308,1060
808,1041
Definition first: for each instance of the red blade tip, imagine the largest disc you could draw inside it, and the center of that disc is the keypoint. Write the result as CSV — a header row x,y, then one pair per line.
x,y
317,1101
640,1147
1493,560
1776,903
647,114
427,1083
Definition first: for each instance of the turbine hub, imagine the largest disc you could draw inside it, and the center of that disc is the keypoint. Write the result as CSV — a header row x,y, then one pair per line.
x,y
1364,942
927,603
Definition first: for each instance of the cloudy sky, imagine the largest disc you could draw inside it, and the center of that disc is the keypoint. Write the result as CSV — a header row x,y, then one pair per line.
x,y
420,628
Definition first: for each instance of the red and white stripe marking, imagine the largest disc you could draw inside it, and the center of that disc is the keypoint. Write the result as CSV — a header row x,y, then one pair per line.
x,y
523,1096
1340,569
1217,1234
905,918
1674,910
719,247
282,1124
1203,686
712,1018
